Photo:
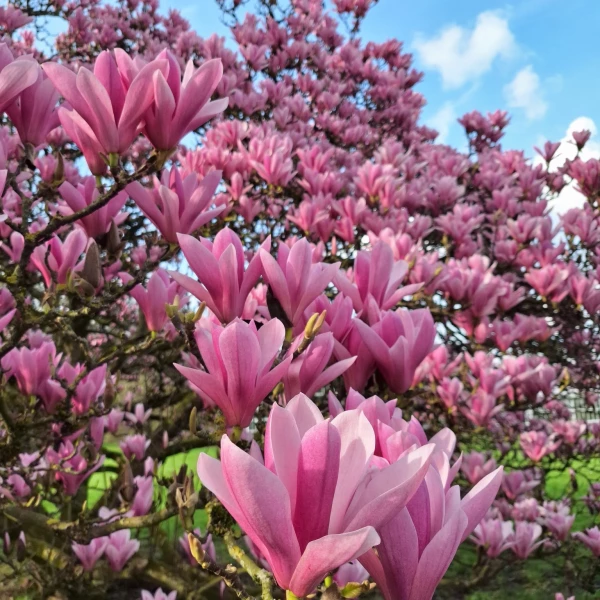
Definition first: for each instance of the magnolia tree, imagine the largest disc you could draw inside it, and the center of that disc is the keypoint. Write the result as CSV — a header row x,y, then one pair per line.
x,y
263,337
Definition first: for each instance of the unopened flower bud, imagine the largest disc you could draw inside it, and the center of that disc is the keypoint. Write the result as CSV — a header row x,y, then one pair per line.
x,y
192,423
127,488
114,245
196,548
21,547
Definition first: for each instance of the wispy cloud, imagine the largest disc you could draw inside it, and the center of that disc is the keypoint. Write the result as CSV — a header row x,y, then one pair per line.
x,y
461,54
525,92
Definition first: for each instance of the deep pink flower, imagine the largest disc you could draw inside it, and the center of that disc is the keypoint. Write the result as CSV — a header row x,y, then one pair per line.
x,y
72,468
175,204
63,257
80,197
90,554
106,114
142,502
313,505
515,484
377,280
135,446
294,279
120,549
399,342
88,390
591,538
475,466
309,372
16,75
224,282
178,105
494,535
524,538
239,359
153,299
537,444
34,112
419,543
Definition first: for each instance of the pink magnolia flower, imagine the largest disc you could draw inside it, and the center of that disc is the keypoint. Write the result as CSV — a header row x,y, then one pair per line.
x,y
33,113
313,505
106,114
18,485
178,105
120,549
481,407
377,280
524,538
153,299
591,538
419,543
72,468
15,75
62,257
515,484
399,342
394,436
223,281
308,373
537,444
142,502
527,509
450,391
569,431
294,279
175,204
238,359
15,250
475,466
581,137
31,367
113,419
135,446
559,525
12,18
80,197
89,389
550,281
90,554
559,596
495,535
158,595
139,415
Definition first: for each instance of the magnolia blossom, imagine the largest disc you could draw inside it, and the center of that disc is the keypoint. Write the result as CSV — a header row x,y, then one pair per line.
x,y
313,504
238,359
591,538
224,282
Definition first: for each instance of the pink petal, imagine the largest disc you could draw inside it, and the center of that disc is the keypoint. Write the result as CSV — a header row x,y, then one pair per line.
x,y
323,555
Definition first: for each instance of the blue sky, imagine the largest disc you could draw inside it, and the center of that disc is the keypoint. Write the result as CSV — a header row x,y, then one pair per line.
x,y
539,59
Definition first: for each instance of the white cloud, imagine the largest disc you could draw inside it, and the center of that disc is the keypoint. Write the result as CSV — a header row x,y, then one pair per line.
x,y
569,197
442,120
461,54
525,91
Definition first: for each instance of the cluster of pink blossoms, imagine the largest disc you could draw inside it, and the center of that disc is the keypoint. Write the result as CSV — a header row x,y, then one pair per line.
x,y
317,287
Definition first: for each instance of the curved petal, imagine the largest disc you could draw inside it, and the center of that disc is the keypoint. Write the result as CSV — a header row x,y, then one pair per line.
x,y
323,555
389,490
265,509
476,503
